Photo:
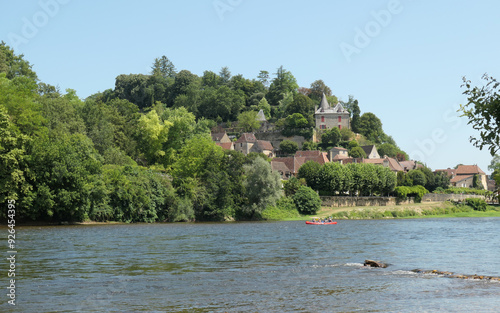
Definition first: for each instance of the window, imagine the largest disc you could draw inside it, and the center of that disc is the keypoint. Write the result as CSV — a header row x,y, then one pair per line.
x,y
340,119
322,119
322,127
340,127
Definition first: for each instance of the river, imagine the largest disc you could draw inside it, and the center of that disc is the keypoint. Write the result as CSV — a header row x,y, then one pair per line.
x,y
256,267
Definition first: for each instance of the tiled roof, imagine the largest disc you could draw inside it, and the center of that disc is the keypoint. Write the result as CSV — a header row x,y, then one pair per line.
x,y
450,171
279,166
460,178
264,145
226,145
468,169
393,163
339,149
246,137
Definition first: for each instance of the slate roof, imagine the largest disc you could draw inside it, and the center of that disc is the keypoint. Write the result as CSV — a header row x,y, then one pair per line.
x,y
368,149
261,117
324,107
217,136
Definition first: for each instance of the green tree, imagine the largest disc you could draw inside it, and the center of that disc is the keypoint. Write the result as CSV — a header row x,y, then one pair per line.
x,y
495,164
307,201
248,121
65,170
153,134
370,126
418,177
288,146
283,83
330,138
482,110
265,107
263,77
163,67
318,88
263,187
310,171
292,185
225,75
13,159
357,152
388,150
14,65
309,145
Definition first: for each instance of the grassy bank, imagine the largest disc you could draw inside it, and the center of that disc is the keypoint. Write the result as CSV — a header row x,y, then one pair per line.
x,y
416,210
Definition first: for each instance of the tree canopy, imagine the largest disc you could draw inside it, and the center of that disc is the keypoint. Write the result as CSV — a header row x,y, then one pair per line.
x,y
483,111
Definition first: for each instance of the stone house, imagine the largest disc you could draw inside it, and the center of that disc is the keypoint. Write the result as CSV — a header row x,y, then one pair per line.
x,y
371,152
391,163
248,143
327,117
464,176
220,137
289,166
338,153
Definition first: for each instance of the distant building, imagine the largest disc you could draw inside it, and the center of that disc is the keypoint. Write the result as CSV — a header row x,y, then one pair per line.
x,y
289,166
328,117
464,176
248,143
371,152
337,153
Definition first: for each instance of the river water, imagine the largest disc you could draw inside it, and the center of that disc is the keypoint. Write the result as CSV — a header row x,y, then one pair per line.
x,y
257,267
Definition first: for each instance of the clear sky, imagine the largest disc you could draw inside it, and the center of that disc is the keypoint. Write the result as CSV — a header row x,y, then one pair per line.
x,y
403,60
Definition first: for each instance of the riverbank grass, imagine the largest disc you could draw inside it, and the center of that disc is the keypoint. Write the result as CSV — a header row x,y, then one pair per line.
x,y
415,210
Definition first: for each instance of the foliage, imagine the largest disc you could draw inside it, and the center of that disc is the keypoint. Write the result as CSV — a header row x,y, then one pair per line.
x,y
483,111
330,138
263,187
307,200
357,152
370,126
309,146
283,83
403,192
292,185
163,67
310,172
318,88
477,204
248,122
289,146
265,107
284,208
417,177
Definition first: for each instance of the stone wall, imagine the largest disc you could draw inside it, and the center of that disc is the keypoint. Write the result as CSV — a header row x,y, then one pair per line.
x,y
435,197
276,138
337,201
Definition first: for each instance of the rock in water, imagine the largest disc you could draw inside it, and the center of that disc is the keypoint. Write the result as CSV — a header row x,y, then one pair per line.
x,y
372,263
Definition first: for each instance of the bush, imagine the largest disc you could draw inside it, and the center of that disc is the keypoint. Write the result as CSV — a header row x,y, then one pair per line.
x,y
403,192
307,200
476,203
284,208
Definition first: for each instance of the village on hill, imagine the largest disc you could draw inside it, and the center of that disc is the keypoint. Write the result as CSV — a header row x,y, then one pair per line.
x,y
267,140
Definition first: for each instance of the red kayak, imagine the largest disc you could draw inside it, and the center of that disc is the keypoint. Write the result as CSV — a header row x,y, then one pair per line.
x,y
320,223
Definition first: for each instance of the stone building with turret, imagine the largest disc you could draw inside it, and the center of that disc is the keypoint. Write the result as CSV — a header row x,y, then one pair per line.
x,y
328,117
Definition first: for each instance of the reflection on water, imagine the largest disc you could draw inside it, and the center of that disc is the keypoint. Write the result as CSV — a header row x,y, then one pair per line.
x,y
258,267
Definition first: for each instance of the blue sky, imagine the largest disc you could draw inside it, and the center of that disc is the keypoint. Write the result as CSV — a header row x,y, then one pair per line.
x,y
403,60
